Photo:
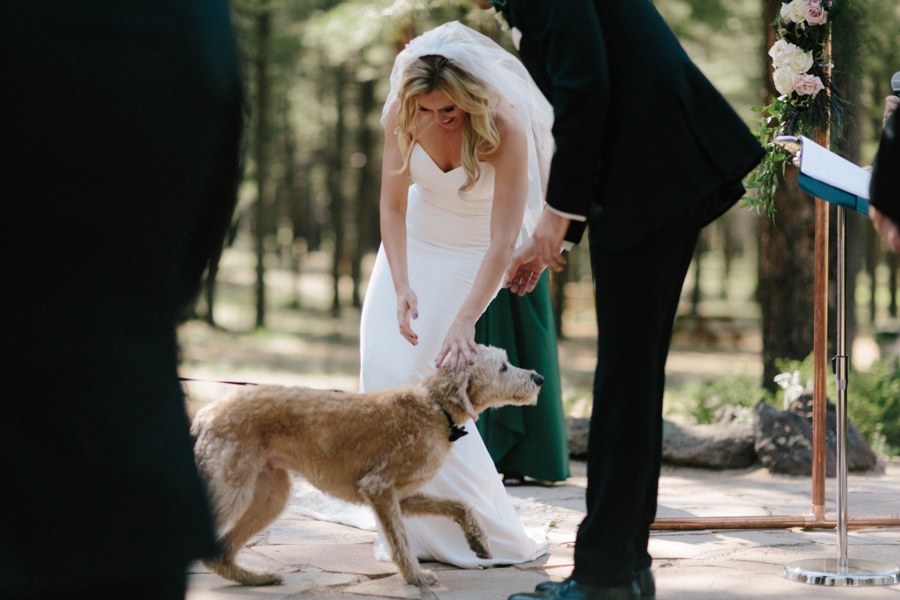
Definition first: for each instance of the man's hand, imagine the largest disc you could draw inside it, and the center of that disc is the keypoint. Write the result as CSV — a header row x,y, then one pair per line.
x,y
889,231
543,249
547,239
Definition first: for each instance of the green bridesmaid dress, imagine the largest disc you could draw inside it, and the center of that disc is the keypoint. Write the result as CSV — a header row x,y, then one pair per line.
x,y
526,440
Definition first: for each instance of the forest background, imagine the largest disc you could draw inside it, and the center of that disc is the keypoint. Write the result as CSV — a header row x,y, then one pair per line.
x,y
282,304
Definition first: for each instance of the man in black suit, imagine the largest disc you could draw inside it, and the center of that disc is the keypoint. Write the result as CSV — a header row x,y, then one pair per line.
x,y
647,153
119,127
884,191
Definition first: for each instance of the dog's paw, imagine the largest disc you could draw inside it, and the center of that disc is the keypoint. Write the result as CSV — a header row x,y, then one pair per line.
x,y
422,578
480,550
479,545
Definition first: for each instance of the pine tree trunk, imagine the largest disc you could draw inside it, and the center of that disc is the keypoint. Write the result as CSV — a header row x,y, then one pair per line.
x,y
786,277
263,32
335,186
365,185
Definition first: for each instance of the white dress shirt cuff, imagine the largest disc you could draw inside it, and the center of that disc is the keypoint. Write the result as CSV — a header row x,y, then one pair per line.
x,y
570,216
566,245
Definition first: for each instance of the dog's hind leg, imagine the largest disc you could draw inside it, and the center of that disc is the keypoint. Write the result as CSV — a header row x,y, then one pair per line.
x,y
387,510
270,496
420,504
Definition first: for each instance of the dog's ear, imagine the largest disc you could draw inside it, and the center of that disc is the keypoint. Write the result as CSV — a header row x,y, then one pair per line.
x,y
457,388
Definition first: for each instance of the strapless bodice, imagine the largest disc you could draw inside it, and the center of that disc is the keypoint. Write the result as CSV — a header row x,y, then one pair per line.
x,y
442,189
438,215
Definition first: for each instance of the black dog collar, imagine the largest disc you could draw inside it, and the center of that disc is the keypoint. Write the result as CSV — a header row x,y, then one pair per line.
x,y
456,431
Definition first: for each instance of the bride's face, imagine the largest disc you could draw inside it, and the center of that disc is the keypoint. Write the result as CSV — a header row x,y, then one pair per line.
x,y
437,106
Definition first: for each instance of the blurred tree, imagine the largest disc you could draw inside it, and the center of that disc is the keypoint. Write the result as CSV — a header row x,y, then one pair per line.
x,y
881,59
848,78
366,200
263,24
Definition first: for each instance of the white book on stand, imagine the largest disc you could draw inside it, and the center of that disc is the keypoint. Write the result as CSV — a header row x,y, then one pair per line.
x,y
828,176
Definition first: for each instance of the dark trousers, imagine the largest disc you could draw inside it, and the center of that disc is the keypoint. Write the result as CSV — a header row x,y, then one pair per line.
x,y
637,295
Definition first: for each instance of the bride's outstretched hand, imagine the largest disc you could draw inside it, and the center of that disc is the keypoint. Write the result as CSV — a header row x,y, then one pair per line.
x,y
407,308
459,346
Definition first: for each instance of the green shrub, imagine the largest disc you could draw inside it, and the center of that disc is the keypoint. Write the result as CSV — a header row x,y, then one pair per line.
x,y
873,399
734,389
873,404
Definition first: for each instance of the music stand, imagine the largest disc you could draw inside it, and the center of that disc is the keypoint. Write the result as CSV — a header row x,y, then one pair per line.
x,y
841,571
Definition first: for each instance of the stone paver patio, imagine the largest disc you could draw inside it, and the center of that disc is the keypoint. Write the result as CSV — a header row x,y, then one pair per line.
x,y
333,561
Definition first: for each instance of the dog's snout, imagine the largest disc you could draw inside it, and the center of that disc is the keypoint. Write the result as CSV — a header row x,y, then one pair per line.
x,y
537,379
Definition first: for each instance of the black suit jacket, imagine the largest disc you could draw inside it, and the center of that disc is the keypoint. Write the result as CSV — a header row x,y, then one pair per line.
x,y
884,191
119,129
641,135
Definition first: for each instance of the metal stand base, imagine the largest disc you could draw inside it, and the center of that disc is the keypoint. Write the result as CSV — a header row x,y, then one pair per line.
x,y
837,572
841,571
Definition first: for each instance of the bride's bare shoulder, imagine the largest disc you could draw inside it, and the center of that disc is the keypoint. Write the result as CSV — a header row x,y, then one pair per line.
x,y
510,128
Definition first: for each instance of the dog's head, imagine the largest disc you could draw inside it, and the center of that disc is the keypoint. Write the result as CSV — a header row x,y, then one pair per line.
x,y
489,381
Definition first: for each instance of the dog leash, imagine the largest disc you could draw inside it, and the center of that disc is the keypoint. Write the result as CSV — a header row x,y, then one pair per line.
x,y
214,381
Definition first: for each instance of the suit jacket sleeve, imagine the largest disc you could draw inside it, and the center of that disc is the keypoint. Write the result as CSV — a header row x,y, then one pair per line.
x,y
885,191
567,36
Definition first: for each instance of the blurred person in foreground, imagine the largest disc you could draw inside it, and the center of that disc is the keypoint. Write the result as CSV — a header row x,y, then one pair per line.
x,y
647,153
120,124
884,191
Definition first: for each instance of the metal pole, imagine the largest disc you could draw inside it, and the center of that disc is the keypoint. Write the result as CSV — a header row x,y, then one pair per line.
x,y
841,373
841,571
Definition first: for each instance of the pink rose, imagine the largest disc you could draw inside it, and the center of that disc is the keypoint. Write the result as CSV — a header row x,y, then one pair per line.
x,y
815,14
808,85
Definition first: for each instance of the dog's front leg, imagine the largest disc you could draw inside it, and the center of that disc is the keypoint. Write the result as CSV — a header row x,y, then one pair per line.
x,y
387,510
420,504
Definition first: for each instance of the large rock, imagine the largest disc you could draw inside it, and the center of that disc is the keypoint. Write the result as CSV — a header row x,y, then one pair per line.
x,y
714,446
717,446
577,431
784,440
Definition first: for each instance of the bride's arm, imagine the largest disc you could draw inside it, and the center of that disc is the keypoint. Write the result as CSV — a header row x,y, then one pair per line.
x,y
510,163
394,190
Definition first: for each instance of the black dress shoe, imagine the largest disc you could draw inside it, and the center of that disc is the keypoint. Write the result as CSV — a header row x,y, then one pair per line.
x,y
643,577
572,590
645,581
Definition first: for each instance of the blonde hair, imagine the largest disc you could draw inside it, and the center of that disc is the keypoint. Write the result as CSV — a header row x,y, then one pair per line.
x,y
480,136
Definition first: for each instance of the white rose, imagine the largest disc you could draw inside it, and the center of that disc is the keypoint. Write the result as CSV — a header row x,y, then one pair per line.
x,y
786,13
800,61
797,9
784,80
781,53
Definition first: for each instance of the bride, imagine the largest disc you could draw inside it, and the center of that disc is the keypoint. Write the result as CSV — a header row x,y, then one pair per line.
x,y
464,121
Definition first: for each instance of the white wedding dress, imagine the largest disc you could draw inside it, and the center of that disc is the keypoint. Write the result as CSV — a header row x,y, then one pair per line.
x,y
448,235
